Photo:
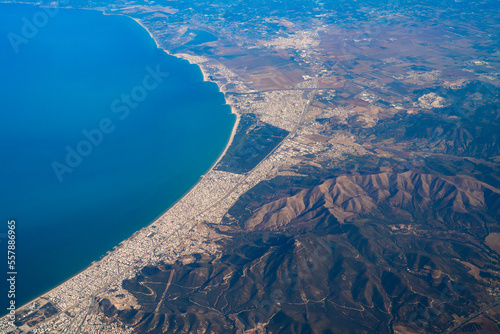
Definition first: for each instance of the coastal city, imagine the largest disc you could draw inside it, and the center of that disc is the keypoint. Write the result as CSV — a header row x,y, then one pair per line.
x,y
180,231
308,82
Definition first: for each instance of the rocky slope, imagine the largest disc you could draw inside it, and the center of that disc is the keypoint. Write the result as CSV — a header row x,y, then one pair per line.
x,y
351,254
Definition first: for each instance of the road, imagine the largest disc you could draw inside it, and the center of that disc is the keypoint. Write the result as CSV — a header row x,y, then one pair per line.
x,y
473,315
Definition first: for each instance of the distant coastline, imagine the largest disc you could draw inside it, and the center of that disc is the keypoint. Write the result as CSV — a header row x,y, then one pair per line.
x,y
205,78
154,221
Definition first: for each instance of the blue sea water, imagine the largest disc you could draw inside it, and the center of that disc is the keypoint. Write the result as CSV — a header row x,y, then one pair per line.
x,y
71,76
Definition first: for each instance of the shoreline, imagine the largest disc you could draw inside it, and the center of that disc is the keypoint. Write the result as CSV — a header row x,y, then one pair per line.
x,y
231,138
145,28
205,78
154,221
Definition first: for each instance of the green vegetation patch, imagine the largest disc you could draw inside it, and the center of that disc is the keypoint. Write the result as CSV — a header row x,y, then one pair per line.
x,y
253,141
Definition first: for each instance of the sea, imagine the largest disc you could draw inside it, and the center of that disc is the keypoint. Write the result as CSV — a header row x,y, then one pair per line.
x,y
100,133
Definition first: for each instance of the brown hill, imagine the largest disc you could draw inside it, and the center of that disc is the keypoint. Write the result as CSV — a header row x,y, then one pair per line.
x,y
351,254
400,195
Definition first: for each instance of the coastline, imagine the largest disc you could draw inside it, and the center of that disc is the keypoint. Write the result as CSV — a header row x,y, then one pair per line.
x,y
145,28
231,138
157,220
205,78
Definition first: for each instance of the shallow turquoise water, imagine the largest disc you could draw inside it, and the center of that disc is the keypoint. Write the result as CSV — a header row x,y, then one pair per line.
x,y
72,77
